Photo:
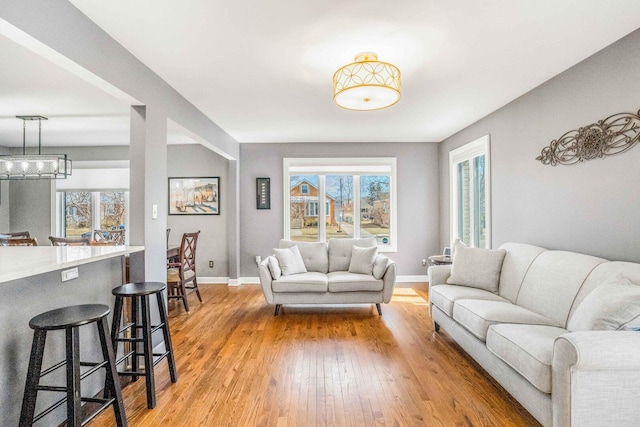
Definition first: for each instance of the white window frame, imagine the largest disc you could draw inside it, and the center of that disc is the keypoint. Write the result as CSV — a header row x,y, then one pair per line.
x,y
478,147
356,167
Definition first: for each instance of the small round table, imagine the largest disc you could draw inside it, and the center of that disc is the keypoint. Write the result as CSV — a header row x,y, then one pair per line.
x,y
440,260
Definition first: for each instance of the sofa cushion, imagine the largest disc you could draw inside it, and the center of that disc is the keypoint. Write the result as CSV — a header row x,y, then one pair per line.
x,y
477,268
290,261
362,259
528,349
342,281
340,251
610,306
516,263
477,315
444,296
304,282
314,254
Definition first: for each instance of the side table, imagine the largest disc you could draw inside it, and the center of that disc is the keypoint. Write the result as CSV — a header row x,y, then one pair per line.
x,y
439,260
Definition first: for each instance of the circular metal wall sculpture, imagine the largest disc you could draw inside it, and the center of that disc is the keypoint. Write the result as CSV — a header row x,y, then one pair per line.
x,y
613,135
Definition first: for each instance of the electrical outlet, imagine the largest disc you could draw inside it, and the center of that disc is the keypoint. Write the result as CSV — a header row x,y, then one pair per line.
x,y
69,274
424,262
210,264
258,259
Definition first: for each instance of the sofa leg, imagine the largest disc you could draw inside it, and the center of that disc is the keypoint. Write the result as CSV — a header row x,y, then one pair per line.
x,y
379,309
436,327
277,310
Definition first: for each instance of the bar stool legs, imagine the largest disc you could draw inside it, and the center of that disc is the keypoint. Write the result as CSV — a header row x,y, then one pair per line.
x,y
70,319
139,294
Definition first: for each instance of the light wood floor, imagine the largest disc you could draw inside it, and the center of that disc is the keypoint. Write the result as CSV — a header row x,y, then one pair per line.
x,y
238,365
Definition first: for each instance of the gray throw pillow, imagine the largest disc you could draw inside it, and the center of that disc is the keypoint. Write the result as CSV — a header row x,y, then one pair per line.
x,y
610,306
290,261
476,268
362,259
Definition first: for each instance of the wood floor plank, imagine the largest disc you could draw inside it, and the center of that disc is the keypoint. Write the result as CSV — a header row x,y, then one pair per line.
x,y
239,365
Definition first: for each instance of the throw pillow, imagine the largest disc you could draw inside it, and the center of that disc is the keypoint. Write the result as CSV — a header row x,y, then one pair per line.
x,y
362,259
274,268
476,268
290,261
380,266
611,306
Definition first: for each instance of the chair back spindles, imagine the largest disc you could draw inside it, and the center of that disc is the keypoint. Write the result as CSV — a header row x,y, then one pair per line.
x,y
69,241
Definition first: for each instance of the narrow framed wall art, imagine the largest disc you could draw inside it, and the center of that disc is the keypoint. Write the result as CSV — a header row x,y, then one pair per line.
x,y
263,193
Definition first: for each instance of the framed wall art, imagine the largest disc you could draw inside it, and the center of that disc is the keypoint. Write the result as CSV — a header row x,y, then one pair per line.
x,y
263,193
194,196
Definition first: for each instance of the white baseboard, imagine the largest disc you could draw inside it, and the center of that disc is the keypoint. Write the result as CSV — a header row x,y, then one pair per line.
x,y
256,280
213,280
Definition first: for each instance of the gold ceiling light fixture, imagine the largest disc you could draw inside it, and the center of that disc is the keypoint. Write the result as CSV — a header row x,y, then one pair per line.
x,y
34,166
366,84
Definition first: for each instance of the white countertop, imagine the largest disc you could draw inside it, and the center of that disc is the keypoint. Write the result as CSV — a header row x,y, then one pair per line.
x,y
17,262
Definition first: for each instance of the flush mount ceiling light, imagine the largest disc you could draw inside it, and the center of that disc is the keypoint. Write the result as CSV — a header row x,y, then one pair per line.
x,y
367,84
34,166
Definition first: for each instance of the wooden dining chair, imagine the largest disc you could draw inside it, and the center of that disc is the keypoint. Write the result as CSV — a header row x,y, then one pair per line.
x,y
109,236
27,241
15,235
181,274
69,241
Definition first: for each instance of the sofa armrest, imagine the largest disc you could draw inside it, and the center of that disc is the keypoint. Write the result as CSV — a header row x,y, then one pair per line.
x,y
596,379
389,281
265,279
438,274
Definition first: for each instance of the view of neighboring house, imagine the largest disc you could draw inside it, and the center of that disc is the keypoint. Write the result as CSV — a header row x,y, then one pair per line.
x,y
304,206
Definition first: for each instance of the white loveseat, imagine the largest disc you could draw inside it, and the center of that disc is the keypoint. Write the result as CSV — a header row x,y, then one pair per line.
x,y
530,335
327,279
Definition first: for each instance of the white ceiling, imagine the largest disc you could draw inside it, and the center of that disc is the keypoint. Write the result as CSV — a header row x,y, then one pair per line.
x,y
261,69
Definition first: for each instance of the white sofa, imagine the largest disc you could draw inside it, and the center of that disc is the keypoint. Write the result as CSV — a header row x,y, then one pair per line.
x,y
529,335
328,280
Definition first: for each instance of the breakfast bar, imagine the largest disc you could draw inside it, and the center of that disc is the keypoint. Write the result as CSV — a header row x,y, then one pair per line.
x,y
37,279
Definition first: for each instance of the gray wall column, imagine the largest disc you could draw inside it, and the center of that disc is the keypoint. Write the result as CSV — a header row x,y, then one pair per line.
x,y
233,223
148,188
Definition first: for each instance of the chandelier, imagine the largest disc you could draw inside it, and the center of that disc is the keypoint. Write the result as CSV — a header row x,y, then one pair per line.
x,y
367,84
34,166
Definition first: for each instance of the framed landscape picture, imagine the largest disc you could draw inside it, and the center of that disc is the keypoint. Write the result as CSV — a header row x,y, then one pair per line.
x,y
194,196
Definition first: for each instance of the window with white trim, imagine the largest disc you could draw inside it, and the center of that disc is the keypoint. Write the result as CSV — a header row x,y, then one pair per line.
x,y
355,196
470,193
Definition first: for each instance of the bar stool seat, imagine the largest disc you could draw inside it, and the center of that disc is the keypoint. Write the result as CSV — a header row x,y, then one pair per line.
x,y
70,319
141,319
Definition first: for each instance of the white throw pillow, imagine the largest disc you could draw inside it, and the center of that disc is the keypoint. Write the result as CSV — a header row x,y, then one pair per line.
x,y
380,266
610,306
274,268
476,268
290,261
362,259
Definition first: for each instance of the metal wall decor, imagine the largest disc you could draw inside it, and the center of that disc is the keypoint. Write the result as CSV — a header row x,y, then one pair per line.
x,y
613,135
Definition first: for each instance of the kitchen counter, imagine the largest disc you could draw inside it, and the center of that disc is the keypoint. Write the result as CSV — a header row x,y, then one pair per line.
x,y
17,262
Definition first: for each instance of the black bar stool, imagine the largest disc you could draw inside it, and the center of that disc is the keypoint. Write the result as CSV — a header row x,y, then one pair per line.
x,y
70,319
139,294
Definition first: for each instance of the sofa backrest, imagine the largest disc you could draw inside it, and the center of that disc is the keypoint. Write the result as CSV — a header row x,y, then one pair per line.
x,y
516,263
314,254
553,281
601,274
340,251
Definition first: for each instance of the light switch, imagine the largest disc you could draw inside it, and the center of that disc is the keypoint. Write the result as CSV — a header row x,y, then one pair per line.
x,y
154,212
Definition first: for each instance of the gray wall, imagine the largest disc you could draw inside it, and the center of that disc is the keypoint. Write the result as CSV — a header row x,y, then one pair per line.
x,y
196,160
591,207
30,208
418,233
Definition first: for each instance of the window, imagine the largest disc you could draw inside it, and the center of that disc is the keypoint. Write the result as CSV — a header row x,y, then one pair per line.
x,y
334,189
85,211
470,193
